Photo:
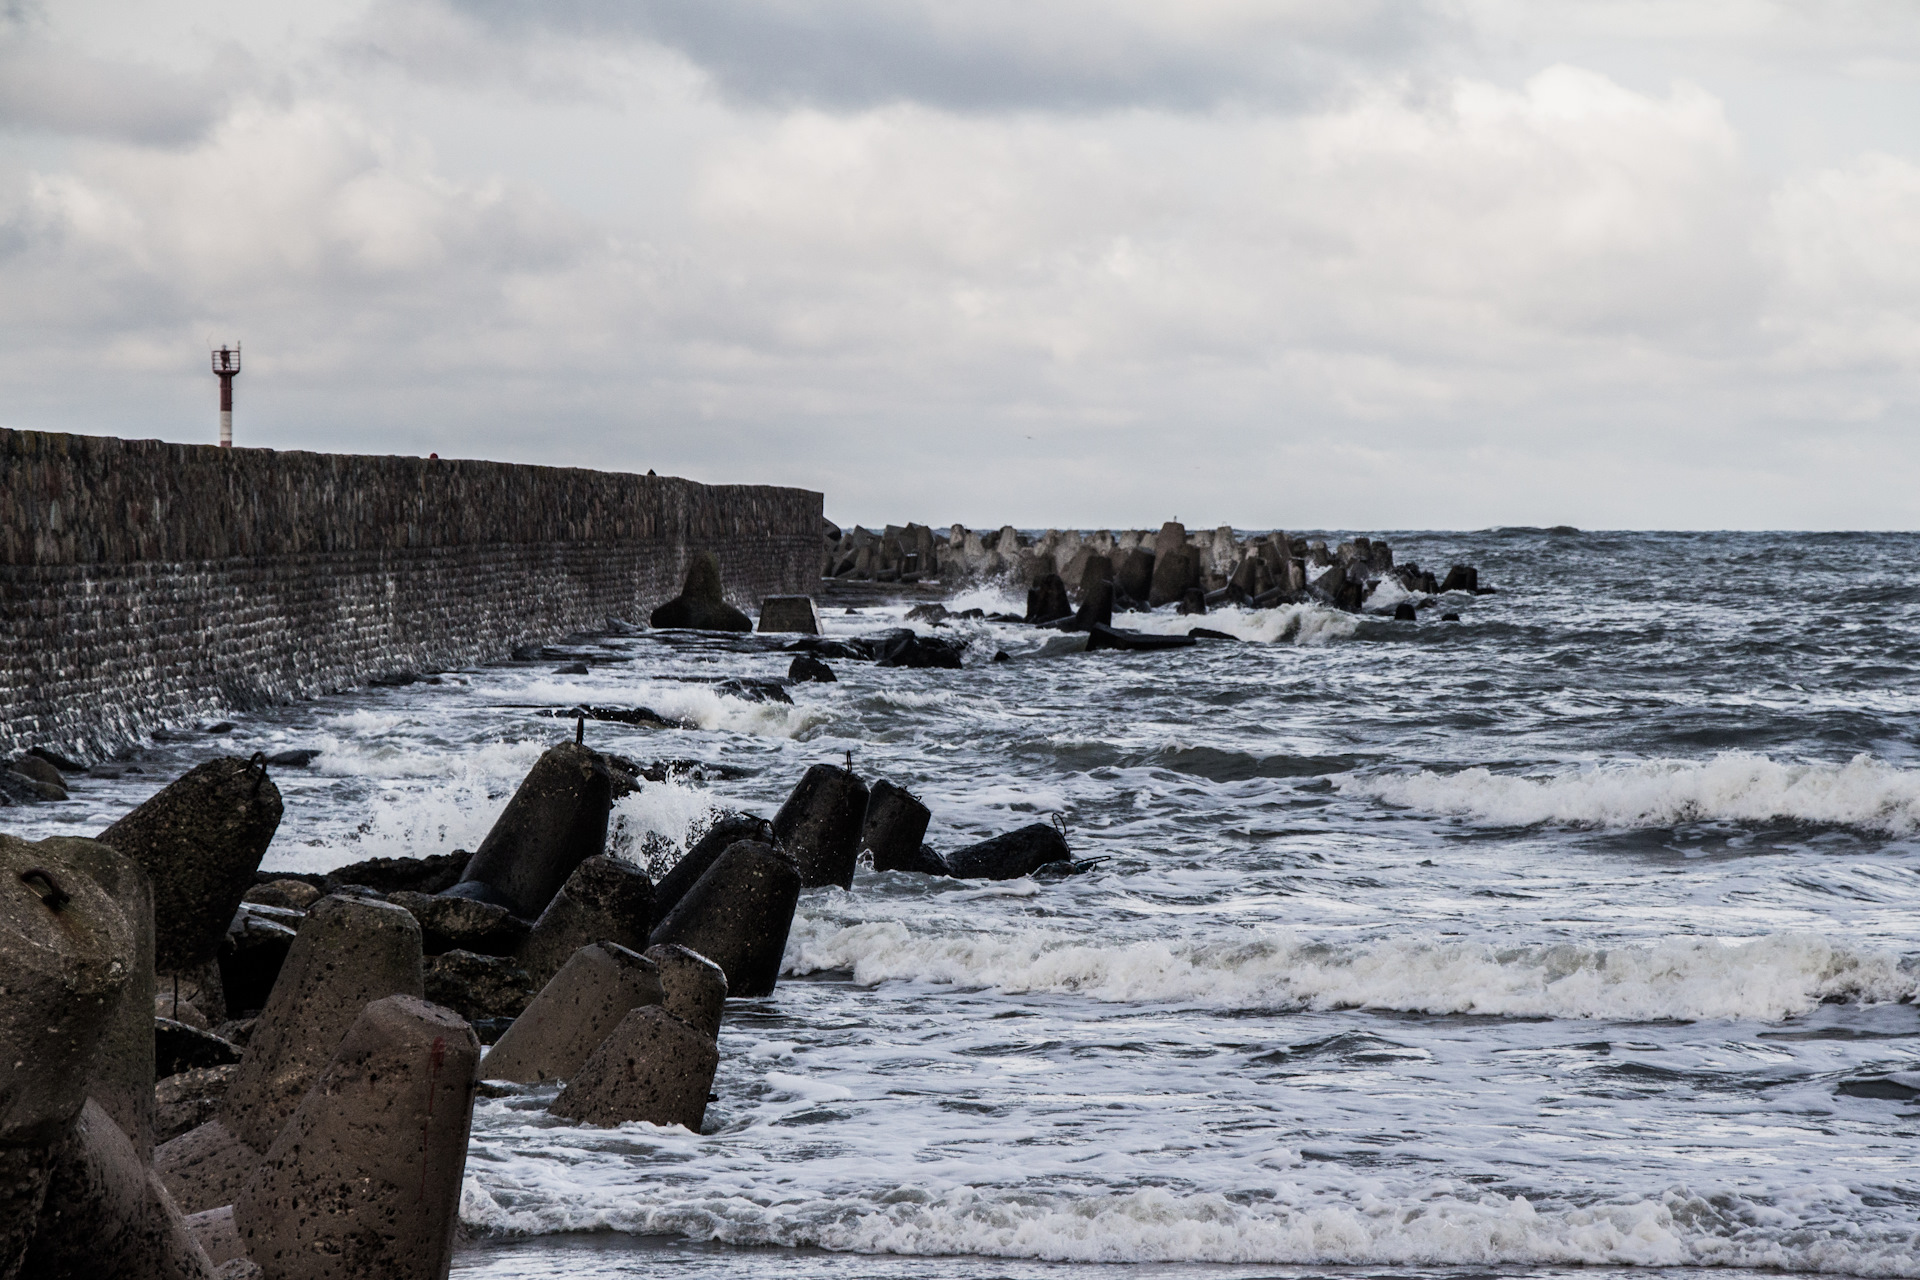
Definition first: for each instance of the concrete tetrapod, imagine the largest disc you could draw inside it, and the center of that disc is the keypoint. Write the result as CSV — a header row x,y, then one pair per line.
x,y
200,839
738,916
67,954
349,952
107,1215
364,1180
654,1068
556,820
895,826
696,987
124,1073
727,830
820,825
573,1013
604,898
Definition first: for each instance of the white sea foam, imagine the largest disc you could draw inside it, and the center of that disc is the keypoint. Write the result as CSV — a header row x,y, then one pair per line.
x,y
1770,977
1864,793
1154,1224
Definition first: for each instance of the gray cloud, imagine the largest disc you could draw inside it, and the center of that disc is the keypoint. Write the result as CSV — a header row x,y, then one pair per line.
x,y
1002,54
45,86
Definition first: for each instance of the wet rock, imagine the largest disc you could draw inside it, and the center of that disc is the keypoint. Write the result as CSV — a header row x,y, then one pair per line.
x,y
701,604
107,1215
349,953
738,915
933,614
65,764
1404,612
178,1047
251,957
790,613
824,648
905,649
556,820
1449,617
462,924
200,840
477,986
1115,638
754,690
433,874
572,669
289,895
1134,576
653,1068
726,830
38,770
1461,577
1193,602
188,1099
596,988
365,1178
806,668
895,826
1902,1086
1010,856
1207,633
67,953
297,758
819,825
1047,600
695,987
604,899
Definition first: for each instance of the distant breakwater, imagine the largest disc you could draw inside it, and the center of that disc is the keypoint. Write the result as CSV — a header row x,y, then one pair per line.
x,y
1149,567
144,584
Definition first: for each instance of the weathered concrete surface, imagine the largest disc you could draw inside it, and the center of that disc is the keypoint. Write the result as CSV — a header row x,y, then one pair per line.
x,y
143,583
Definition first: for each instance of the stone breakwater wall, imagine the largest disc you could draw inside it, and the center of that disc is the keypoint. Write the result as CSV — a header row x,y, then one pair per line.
x,y
144,584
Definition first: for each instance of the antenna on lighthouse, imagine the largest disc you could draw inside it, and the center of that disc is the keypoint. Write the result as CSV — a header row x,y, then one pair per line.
x,y
226,367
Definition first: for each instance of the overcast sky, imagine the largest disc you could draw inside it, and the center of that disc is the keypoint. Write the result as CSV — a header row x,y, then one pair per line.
x,y
1337,264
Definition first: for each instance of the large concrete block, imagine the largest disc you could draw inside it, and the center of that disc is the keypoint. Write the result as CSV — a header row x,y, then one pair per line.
x,y
654,1068
695,987
895,827
597,987
727,830
820,825
556,820
790,613
107,1216
124,1073
738,916
205,1167
67,955
604,899
364,1180
200,839
349,953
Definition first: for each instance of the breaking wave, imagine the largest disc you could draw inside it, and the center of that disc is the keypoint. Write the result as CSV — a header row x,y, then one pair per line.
x,y
1771,977
1863,793
1154,1224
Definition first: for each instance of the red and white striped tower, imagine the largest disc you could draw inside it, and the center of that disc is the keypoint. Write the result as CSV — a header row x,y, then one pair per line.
x,y
226,366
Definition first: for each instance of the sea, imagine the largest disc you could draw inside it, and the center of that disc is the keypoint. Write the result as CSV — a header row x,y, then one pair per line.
x,y
1580,932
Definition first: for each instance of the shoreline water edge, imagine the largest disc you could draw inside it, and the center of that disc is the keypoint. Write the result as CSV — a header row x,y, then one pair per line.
x,y
1203,903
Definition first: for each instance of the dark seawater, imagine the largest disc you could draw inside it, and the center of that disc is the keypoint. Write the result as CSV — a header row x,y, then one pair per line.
x,y
1491,948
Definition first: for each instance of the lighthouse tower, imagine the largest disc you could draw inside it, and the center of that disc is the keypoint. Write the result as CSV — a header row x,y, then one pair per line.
x,y
226,367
